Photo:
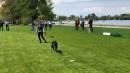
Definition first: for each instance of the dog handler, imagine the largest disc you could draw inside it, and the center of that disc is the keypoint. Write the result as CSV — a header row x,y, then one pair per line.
x,y
40,31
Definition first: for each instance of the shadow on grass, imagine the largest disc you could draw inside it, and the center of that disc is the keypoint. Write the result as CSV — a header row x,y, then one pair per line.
x,y
49,42
59,51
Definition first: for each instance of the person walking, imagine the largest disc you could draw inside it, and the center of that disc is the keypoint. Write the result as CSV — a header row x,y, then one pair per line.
x,y
91,24
77,24
40,31
82,24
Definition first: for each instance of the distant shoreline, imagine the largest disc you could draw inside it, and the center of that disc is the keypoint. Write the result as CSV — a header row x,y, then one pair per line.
x,y
106,23
104,26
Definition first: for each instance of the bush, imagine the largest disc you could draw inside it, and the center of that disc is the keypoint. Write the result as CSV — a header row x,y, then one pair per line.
x,y
26,21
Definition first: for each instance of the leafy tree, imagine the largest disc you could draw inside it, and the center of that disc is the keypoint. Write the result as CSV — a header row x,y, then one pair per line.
x,y
7,9
103,18
86,17
124,16
109,17
32,9
62,18
116,17
46,9
94,16
72,17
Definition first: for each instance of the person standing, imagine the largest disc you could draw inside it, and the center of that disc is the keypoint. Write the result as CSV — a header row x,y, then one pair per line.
x,y
32,26
91,24
45,24
82,24
42,22
7,25
1,26
40,31
50,24
77,24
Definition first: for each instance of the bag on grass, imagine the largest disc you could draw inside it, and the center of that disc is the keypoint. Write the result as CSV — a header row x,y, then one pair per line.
x,y
116,35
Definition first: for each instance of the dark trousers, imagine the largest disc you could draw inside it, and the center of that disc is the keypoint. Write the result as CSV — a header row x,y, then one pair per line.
x,y
7,27
50,26
40,34
45,27
82,27
1,26
91,28
77,27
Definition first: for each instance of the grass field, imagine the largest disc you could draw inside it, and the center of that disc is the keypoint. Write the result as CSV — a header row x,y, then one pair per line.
x,y
21,52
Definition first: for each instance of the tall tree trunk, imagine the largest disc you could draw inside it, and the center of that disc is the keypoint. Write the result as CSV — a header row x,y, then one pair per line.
x,y
32,21
12,16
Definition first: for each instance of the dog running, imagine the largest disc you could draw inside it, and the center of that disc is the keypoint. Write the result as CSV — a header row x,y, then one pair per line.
x,y
54,45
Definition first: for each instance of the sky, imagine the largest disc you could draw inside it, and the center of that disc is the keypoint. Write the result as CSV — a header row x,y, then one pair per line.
x,y
0,3
85,7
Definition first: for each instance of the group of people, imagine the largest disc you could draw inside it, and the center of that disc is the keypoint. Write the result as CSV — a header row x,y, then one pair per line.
x,y
41,24
90,24
6,24
45,24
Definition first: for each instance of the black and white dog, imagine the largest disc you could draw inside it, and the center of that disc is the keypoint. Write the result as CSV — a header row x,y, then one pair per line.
x,y
54,45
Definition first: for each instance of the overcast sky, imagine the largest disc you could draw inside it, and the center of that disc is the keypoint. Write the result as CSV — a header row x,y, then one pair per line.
x,y
85,7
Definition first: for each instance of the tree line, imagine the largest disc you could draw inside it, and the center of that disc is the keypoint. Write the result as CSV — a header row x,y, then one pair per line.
x,y
27,11
95,17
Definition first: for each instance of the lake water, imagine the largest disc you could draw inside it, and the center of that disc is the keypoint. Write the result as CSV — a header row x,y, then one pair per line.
x,y
106,22
113,22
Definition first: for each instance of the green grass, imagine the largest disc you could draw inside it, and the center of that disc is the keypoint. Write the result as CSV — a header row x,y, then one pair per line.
x,y
21,52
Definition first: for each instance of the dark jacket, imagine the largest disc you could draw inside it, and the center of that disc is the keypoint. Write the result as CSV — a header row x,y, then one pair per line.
x,y
90,21
82,23
39,28
0,22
